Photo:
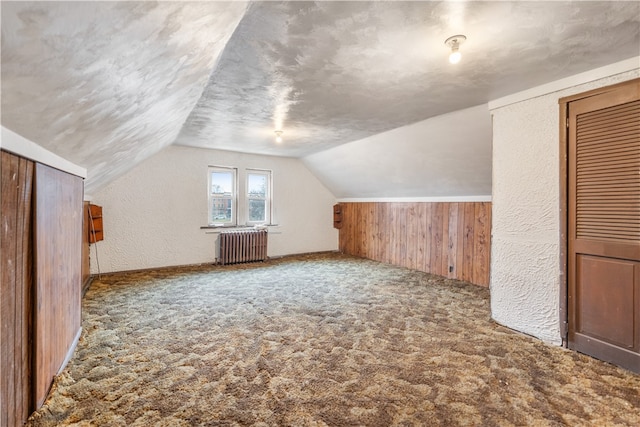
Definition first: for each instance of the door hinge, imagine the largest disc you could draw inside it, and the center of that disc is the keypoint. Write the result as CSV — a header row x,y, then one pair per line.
x,y
567,122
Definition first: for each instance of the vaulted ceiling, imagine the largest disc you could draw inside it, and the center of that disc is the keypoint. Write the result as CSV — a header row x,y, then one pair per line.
x,y
108,84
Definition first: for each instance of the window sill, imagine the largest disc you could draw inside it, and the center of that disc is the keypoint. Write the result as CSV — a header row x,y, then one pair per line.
x,y
235,227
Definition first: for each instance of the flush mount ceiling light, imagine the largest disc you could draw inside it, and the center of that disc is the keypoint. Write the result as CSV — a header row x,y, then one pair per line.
x,y
278,136
454,43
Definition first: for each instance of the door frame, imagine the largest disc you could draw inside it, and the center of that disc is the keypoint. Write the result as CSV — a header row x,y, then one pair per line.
x,y
564,199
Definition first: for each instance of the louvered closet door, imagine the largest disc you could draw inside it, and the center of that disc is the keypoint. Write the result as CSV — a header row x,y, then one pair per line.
x,y
604,225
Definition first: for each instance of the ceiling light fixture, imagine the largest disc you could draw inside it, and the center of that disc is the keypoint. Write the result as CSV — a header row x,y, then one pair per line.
x,y
454,43
278,136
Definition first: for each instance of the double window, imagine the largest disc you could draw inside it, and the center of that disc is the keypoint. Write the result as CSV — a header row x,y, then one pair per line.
x,y
229,207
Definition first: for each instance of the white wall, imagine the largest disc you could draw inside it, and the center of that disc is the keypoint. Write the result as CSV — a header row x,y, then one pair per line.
x,y
444,156
153,214
525,243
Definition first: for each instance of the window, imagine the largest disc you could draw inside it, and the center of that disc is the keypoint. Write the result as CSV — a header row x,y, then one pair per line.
x,y
222,195
229,207
258,196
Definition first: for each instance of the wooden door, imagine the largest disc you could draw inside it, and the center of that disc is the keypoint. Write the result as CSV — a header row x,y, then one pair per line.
x,y
604,225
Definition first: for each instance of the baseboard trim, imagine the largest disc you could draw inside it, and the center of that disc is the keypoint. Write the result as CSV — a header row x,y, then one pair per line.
x,y
304,254
207,264
86,285
70,352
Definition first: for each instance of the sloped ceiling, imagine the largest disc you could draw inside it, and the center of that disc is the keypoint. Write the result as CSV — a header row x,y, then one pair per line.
x,y
106,85
412,161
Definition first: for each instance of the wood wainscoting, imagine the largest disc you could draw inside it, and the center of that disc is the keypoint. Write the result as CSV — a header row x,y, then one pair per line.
x,y
40,286
450,239
86,227
16,290
58,273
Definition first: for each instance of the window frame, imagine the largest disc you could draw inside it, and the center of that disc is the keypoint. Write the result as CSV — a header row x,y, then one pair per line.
x,y
268,196
234,196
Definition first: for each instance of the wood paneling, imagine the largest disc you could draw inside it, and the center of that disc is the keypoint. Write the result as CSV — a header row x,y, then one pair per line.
x,y
58,278
86,237
16,265
447,239
40,288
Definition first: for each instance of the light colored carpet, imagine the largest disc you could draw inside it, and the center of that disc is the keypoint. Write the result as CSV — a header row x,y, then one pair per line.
x,y
320,340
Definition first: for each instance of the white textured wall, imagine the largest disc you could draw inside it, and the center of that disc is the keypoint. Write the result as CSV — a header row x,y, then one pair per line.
x,y
153,214
525,243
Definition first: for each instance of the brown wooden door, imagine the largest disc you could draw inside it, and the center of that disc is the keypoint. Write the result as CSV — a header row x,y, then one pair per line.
x,y
604,225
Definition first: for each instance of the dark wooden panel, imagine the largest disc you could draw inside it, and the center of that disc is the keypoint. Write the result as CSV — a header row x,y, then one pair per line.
x,y
344,230
9,377
96,228
381,242
452,241
86,268
390,231
481,250
422,259
373,208
604,309
443,267
428,243
435,266
429,237
459,252
401,242
412,236
16,264
24,292
363,236
468,241
337,216
58,276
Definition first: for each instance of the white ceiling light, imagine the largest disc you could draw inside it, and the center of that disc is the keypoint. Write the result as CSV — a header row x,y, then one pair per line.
x,y
454,43
278,136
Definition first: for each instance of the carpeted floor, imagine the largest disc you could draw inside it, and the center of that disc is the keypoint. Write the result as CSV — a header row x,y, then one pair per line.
x,y
320,340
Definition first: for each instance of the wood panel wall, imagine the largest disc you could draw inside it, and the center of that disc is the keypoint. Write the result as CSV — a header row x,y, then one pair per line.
x,y
58,279
447,239
86,268
16,266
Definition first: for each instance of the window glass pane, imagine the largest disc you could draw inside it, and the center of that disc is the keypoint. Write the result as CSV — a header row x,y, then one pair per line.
x,y
257,210
220,210
257,185
221,183
222,188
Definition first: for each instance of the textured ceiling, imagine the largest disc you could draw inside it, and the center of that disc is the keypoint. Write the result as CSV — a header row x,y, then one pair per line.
x,y
328,73
106,85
